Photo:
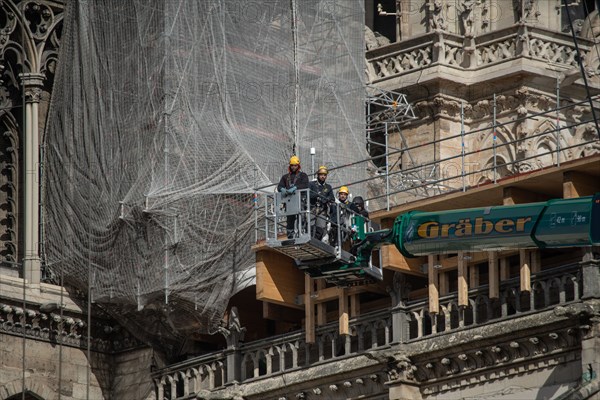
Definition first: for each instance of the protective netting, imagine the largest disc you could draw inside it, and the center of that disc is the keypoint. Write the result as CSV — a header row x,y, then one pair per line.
x,y
165,116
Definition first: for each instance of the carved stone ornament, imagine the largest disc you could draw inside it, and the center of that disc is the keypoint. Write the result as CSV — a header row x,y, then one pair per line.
x,y
33,95
468,17
531,353
39,23
436,15
402,368
235,332
66,329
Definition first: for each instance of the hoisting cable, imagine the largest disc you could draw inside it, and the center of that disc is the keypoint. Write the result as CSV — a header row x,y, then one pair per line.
x,y
581,68
296,76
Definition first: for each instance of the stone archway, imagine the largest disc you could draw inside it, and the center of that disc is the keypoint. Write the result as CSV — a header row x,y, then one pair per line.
x,y
34,390
28,396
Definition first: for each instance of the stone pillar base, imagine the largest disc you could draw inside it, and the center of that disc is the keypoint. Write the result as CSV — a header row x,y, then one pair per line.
x,y
32,270
405,391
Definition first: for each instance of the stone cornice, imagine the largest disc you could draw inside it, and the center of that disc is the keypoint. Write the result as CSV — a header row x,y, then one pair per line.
x,y
494,351
65,325
521,102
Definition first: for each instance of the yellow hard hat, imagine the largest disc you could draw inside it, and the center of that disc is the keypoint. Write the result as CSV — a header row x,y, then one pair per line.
x,y
322,170
343,189
294,160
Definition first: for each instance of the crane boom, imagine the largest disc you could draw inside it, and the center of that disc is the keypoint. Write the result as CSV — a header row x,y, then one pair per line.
x,y
551,224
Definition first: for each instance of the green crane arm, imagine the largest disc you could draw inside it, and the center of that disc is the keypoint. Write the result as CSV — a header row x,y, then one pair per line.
x,y
551,224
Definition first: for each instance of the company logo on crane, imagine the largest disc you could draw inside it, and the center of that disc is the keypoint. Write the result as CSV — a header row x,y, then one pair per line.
x,y
465,227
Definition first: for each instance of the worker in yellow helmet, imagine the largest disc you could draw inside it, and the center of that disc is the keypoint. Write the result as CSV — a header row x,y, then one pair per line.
x,y
321,197
340,210
343,194
294,180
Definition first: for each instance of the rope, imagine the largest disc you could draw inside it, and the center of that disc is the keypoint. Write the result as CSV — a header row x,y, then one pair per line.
x,y
296,76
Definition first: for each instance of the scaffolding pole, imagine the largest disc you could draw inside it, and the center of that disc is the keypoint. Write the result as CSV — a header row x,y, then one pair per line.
x,y
494,141
462,144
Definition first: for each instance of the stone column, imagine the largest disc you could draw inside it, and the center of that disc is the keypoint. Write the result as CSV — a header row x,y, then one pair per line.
x,y
400,324
234,335
400,321
590,268
590,342
32,88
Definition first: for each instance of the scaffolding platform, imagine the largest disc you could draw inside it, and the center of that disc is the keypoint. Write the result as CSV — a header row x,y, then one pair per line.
x,y
310,252
319,260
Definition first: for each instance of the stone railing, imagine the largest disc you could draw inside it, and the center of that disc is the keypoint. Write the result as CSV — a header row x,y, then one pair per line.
x,y
441,48
274,356
406,323
413,54
557,286
554,48
203,373
497,46
289,352
401,57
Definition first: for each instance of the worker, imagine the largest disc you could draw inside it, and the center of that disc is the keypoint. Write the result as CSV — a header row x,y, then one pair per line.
x,y
321,198
343,204
294,180
358,206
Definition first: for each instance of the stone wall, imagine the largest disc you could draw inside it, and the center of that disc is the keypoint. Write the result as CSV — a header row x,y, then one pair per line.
x,y
132,374
44,371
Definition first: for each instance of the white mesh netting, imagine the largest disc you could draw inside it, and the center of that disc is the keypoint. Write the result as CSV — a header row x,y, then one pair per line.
x,y
165,116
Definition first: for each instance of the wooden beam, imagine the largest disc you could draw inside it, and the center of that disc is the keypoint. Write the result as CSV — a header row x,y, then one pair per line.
x,y
277,312
420,293
344,320
578,184
444,282
277,279
473,275
354,305
536,261
494,283
321,309
450,263
504,268
331,293
309,310
525,271
463,287
513,195
432,272
392,259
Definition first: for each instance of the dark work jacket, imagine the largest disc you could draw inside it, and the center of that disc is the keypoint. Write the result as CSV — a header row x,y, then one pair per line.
x,y
362,212
321,194
344,207
299,179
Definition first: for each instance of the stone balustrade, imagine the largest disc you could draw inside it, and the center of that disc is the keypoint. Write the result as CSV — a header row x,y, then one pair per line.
x,y
557,286
446,49
405,323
